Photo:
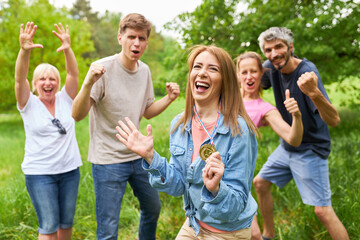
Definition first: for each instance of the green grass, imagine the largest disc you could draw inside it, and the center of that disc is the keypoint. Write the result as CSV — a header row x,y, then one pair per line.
x,y
345,93
294,220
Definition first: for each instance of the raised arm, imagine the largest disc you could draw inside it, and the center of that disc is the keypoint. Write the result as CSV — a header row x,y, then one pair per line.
x,y
83,102
308,84
291,134
159,106
72,71
22,87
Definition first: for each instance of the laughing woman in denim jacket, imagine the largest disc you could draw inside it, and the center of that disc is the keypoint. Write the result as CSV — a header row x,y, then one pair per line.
x,y
213,151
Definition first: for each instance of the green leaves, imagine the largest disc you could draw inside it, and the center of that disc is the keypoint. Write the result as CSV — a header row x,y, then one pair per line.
x,y
326,32
44,15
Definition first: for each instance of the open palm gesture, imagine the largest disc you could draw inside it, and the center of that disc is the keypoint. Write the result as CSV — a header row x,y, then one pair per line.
x,y
135,141
63,35
27,35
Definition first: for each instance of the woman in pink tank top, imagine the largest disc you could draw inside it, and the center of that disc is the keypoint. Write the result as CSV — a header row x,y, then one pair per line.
x,y
249,72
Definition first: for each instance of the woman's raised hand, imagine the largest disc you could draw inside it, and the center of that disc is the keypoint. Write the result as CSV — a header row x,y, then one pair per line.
x,y
26,36
135,141
63,35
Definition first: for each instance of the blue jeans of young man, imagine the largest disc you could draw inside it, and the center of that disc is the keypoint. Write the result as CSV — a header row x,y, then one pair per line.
x,y
110,185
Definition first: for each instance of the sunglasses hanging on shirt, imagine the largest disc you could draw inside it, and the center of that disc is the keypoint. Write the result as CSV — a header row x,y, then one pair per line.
x,y
60,127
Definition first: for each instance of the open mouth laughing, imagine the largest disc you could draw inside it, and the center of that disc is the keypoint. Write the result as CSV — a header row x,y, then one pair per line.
x,y
250,84
201,86
48,89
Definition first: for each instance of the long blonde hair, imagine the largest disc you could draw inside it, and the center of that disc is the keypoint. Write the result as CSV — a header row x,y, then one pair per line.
x,y
231,100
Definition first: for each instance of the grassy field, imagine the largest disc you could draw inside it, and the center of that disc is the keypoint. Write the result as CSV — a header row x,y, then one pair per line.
x,y
293,219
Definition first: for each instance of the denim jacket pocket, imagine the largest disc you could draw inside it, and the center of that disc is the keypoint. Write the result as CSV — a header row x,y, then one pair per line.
x,y
177,150
178,155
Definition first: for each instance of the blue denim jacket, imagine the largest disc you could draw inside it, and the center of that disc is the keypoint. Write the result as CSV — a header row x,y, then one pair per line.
x,y
233,207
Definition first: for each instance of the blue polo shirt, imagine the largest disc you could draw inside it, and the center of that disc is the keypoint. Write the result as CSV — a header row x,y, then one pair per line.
x,y
316,133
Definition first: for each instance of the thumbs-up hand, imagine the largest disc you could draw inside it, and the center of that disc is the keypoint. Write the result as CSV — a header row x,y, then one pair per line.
x,y
291,104
287,94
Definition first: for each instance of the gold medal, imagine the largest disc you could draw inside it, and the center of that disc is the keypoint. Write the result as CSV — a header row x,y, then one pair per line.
x,y
206,150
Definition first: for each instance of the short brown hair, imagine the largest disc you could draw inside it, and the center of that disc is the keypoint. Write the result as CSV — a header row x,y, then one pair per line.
x,y
135,21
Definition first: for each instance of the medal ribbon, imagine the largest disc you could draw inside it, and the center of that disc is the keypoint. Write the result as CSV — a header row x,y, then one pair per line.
x,y
202,124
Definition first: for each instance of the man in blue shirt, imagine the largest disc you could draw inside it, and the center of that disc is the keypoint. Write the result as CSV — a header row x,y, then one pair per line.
x,y
308,163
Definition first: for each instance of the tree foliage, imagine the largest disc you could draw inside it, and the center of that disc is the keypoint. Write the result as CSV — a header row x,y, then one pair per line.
x,y
103,29
210,23
93,36
44,15
160,58
326,32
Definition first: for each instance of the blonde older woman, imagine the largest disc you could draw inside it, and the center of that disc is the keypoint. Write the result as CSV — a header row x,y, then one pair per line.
x,y
52,158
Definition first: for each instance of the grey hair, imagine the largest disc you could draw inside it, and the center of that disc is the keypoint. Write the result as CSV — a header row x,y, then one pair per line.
x,y
282,33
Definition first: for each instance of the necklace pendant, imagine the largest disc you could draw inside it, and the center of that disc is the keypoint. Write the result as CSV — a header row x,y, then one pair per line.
x,y
206,150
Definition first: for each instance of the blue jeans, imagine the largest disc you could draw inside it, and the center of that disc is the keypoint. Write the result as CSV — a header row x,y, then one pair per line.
x,y
54,199
110,185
